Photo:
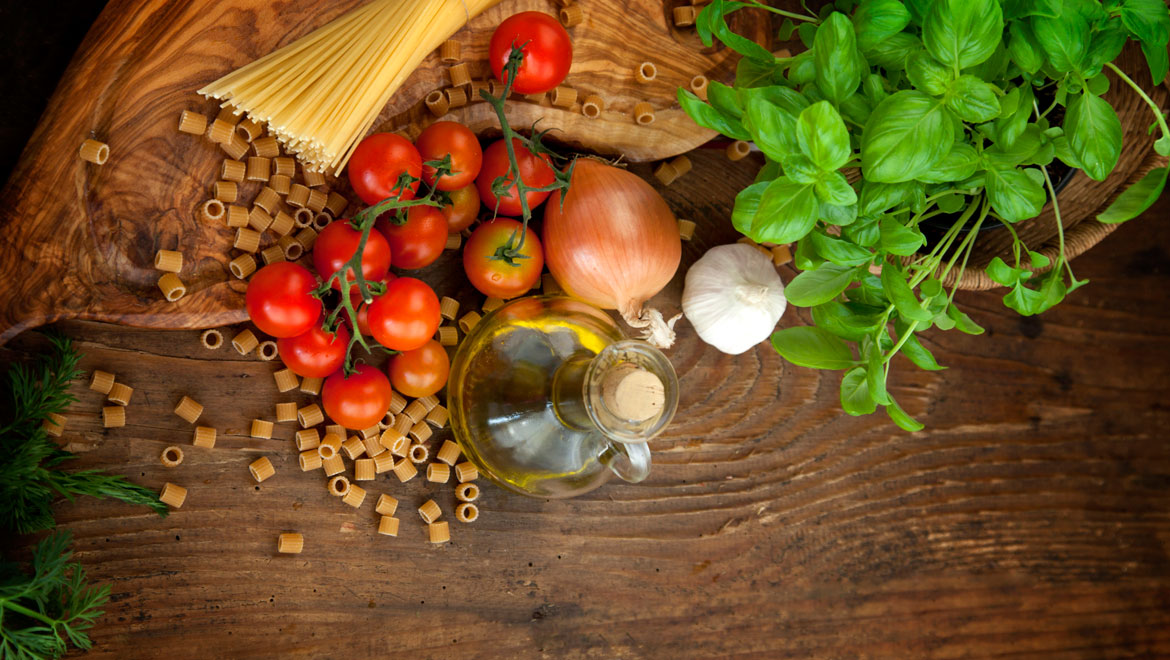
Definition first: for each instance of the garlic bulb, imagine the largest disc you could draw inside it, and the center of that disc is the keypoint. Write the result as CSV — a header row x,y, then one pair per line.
x,y
734,297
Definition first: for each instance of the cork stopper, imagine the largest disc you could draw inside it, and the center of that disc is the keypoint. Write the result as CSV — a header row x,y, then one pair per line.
x,y
633,393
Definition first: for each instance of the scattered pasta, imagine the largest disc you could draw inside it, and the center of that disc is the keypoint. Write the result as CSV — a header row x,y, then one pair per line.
x,y
686,230
267,199
266,147
353,447
571,16
225,191
465,472
386,505
456,97
282,225
188,409
54,425
355,496
259,220
644,113
171,457
459,74
684,16
221,131
172,495
363,469
467,492
242,266
286,412
309,460
307,237
262,429
307,439
383,462
237,216
466,512
397,403
120,394
449,51
453,241
94,152
738,149
316,200
421,432
192,122
388,526
102,381
333,465
172,287
550,285
592,106
429,511
312,386
336,204
285,380
468,321
313,178
245,342
298,195
330,445
437,417
249,129
394,441
448,452
437,103
261,469
290,544
204,437
339,486
405,470
236,148
699,86
448,335
268,352
247,240
439,473
646,72
439,532
285,166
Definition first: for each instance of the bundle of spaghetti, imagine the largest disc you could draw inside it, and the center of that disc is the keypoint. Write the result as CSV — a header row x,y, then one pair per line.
x,y
321,94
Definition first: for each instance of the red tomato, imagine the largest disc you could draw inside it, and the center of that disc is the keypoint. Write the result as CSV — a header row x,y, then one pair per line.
x,y
418,241
535,172
464,206
447,137
336,245
420,372
314,353
363,310
280,299
406,316
358,401
547,55
376,164
496,277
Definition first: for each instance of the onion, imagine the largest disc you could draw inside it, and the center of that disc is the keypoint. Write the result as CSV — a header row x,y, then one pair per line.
x,y
614,244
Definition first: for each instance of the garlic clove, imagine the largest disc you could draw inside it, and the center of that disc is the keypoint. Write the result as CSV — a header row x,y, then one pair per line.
x,y
733,297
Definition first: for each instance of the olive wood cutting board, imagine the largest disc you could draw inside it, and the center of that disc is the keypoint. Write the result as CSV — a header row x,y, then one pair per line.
x,y
78,240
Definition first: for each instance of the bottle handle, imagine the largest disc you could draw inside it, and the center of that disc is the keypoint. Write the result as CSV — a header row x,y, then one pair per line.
x,y
630,462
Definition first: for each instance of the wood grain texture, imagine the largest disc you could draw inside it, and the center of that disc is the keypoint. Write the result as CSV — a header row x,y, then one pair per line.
x,y
78,240
1030,519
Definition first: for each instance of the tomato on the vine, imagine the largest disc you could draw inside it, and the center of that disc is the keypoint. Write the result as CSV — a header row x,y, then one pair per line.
x,y
497,276
362,309
357,401
463,209
535,172
420,372
336,245
406,316
447,137
314,353
280,299
377,163
418,241
547,55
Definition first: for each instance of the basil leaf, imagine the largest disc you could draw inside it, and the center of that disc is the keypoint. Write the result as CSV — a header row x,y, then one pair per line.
x,y
963,322
920,355
724,99
708,117
894,52
838,70
1025,51
850,321
1014,195
1158,60
899,239
959,163
802,69
962,33
1023,300
839,252
919,9
839,215
1105,46
1011,127
812,347
1063,39
747,205
771,128
822,137
880,197
875,372
1136,199
1022,8
785,98
868,291
813,287
717,25
899,417
864,233
834,190
1005,275
928,75
1148,20
899,292
877,20
754,73
787,211
856,109
1006,157
905,136
973,100
855,396
874,87
1094,134
802,170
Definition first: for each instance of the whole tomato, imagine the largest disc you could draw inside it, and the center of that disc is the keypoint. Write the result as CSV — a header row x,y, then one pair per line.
x,y
314,353
418,241
463,209
377,163
357,401
534,171
280,299
336,245
444,138
406,316
548,53
498,277
420,372
362,309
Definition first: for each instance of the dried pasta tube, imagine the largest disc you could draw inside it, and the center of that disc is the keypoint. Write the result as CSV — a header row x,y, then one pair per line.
x,y
388,526
466,512
495,88
646,72
459,74
290,544
307,237
171,457
222,131
307,439
665,173
261,469
535,99
242,266
113,416
699,86
477,86
353,447
439,532
781,255
204,437
419,454
210,211
225,191
310,415
405,470
337,430
592,106
280,183
266,147
259,220
437,103
449,51
249,129
335,205
333,465
172,495
467,492
172,287
192,122
102,381
448,452
571,16
644,113
397,403
237,216
322,220
394,441
684,16
298,195
363,469
448,308
681,165
738,149
564,97
373,446
313,178
267,199
550,285
370,432
271,255
292,249
188,409
282,224
286,412
339,486
456,97
303,218
383,462
262,429
312,386
386,505
686,230
468,321
466,472
233,170
54,425
236,148
120,394
285,380
330,445
454,240
439,473
355,496
387,421
245,342
284,166
491,303
430,511
448,335
247,239
309,460
428,402
316,201
416,411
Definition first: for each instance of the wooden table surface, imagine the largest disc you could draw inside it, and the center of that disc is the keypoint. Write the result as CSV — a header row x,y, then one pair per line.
x,y
1031,517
